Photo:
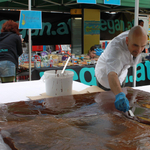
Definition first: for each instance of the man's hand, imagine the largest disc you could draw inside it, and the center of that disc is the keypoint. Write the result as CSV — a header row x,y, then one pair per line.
x,y
121,102
98,51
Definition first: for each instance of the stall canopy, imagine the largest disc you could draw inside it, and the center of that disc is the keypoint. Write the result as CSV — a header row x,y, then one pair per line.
x,y
66,5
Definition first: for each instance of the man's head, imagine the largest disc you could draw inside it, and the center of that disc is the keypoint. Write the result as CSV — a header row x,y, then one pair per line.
x,y
136,40
141,23
92,52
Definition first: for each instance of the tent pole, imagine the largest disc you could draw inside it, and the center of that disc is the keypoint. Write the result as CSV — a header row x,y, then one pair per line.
x,y
29,8
136,12
136,15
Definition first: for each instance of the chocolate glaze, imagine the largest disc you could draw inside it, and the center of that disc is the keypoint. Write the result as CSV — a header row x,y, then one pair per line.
x,y
86,121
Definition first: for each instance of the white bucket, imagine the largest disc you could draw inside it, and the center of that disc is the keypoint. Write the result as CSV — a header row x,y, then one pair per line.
x,y
58,84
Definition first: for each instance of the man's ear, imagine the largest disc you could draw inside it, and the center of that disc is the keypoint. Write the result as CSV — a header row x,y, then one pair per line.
x,y
127,40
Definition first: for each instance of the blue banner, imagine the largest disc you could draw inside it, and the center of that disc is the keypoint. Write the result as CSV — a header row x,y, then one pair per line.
x,y
112,2
30,20
87,1
91,27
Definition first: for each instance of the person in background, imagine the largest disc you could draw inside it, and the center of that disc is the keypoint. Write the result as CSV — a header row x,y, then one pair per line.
x,y
141,23
10,50
94,53
112,66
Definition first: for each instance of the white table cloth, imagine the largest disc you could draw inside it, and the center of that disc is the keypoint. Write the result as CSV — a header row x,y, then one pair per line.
x,y
18,91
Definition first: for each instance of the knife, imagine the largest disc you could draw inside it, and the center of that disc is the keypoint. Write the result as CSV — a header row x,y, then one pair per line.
x,y
131,113
132,101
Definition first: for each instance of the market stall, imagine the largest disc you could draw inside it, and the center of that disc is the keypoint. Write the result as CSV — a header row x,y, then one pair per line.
x,y
79,121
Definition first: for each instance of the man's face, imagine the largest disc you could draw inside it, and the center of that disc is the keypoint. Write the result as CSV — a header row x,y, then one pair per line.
x,y
141,24
136,44
92,54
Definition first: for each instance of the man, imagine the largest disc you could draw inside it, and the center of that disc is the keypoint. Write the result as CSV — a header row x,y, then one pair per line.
x,y
112,66
94,53
141,23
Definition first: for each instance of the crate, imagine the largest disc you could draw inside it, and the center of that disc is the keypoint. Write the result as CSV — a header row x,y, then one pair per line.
x,y
37,48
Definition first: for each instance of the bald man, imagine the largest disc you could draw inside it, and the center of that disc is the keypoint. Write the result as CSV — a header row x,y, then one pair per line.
x,y
112,66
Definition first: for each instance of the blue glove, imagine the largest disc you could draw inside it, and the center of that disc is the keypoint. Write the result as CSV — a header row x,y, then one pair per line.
x,y
121,102
98,51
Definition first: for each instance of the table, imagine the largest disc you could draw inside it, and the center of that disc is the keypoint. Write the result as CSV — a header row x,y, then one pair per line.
x,y
18,91
88,121
26,65
86,74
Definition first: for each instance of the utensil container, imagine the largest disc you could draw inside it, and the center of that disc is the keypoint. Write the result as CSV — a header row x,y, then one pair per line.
x,y
58,84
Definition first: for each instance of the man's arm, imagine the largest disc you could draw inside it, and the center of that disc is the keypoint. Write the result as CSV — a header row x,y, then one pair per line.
x,y
121,102
114,83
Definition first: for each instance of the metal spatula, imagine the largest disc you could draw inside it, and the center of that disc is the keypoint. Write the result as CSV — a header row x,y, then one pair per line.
x,y
131,113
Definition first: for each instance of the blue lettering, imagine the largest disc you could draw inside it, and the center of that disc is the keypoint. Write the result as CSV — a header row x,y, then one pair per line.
x,y
129,25
3,50
117,25
49,26
1,23
92,72
131,78
23,33
69,23
103,23
41,74
63,29
147,64
111,26
122,25
141,71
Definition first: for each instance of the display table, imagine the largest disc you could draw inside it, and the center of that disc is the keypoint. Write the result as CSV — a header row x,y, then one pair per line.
x,y
86,74
26,65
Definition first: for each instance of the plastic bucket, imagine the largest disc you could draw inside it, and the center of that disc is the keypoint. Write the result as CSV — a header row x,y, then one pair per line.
x,y
58,84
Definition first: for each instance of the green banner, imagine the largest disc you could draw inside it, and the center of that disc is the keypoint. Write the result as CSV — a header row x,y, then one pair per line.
x,y
5,1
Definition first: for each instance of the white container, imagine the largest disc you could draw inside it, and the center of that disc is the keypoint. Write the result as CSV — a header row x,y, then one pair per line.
x,y
57,84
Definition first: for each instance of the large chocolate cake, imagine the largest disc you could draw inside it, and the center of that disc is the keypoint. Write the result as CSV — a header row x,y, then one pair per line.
x,y
78,122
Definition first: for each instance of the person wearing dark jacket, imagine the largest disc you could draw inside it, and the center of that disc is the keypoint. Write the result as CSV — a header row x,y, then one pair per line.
x,y
10,50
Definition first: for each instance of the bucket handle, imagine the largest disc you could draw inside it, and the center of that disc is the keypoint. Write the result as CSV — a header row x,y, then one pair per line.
x,y
43,78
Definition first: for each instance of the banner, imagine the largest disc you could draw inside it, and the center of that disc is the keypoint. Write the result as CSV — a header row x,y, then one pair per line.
x,y
112,2
56,28
91,27
30,19
112,25
87,1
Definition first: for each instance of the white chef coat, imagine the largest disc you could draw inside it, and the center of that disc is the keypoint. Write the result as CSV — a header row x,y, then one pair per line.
x,y
115,58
